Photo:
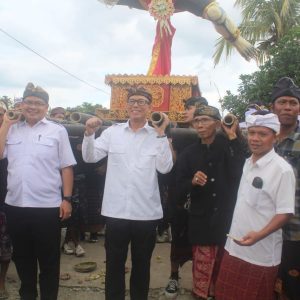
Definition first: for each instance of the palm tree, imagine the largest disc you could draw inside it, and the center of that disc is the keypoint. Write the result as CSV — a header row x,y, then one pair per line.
x,y
264,23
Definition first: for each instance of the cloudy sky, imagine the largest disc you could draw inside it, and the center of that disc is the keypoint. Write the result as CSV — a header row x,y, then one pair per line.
x,y
89,40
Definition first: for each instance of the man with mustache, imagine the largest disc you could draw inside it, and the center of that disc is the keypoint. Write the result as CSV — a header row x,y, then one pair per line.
x,y
285,103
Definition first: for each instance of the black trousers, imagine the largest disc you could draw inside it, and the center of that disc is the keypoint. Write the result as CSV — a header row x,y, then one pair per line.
x,y
141,235
35,235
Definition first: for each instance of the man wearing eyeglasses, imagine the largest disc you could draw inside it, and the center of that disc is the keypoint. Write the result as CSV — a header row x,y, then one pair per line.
x,y
210,170
40,161
131,201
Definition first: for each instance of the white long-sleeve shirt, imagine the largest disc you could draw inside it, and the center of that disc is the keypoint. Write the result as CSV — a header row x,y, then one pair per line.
x,y
36,156
131,187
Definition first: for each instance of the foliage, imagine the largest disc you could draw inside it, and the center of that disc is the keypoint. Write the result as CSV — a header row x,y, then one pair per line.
x,y
8,101
256,87
86,107
264,23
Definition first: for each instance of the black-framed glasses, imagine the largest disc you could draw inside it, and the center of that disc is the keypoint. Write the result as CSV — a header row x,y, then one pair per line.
x,y
139,102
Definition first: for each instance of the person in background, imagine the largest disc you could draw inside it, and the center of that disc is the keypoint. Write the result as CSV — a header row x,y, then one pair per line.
x,y
5,242
181,249
285,104
17,102
40,163
58,113
209,170
264,204
131,202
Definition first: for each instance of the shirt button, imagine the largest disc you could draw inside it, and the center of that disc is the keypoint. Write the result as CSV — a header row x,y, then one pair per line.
x,y
212,180
214,194
210,164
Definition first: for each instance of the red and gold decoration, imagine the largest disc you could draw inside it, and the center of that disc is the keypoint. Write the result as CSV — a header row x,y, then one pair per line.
x,y
162,10
168,93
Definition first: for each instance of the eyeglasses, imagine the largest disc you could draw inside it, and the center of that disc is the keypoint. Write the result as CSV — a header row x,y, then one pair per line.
x,y
34,103
203,121
139,102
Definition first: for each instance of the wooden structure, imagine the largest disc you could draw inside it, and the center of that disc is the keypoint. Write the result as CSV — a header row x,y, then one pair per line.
x,y
168,92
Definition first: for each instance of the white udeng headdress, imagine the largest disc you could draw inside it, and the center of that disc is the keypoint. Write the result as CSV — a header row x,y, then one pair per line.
x,y
269,120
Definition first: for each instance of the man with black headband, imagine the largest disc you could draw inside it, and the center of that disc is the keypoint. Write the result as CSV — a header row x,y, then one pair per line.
x,y
181,250
131,201
285,103
40,161
209,170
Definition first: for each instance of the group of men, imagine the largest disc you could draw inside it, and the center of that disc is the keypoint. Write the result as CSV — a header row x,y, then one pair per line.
x,y
250,199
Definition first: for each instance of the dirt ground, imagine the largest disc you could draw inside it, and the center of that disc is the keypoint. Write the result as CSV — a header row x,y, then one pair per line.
x,y
90,286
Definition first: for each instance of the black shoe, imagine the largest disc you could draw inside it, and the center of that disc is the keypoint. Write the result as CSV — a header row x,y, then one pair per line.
x,y
171,291
93,237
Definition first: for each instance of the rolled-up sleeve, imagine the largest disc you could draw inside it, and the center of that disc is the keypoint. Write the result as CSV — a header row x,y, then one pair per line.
x,y
164,159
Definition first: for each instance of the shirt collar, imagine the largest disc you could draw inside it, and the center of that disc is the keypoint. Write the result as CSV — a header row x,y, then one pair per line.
x,y
43,121
147,127
263,161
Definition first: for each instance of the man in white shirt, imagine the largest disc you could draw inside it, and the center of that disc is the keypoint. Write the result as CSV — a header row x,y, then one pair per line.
x,y
264,204
40,161
131,201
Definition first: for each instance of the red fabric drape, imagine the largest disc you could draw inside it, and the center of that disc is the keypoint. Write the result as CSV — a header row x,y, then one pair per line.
x,y
161,52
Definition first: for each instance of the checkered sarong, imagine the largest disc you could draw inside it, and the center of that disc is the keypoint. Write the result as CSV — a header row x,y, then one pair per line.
x,y
240,280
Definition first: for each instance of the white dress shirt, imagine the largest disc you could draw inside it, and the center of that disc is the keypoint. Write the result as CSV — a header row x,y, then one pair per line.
x,y
131,187
256,207
35,157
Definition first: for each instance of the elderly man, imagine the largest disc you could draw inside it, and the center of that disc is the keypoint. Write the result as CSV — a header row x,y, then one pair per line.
x,y
210,171
40,169
131,202
181,250
264,204
285,103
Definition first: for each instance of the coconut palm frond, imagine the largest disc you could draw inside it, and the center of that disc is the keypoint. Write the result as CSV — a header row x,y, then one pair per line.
x,y
221,46
264,23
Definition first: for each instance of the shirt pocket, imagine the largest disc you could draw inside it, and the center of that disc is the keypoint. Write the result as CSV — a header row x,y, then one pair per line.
x,y
116,153
14,146
253,197
44,147
146,160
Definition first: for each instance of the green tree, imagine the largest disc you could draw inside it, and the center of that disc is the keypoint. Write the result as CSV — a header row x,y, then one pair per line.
x,y
8,101
86,107
257,87
264,23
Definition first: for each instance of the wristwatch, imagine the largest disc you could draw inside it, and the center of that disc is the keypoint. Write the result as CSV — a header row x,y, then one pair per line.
x,y
68,198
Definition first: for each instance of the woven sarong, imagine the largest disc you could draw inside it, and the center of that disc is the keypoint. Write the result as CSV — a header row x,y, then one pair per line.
x,y
240,280
205,268
5,242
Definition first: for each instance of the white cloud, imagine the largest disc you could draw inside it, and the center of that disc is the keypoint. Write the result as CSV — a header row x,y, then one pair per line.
x,y
91,40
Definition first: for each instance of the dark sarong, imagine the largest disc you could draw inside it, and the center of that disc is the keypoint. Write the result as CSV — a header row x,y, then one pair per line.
x,y
5,242
289,270
240,280
181,249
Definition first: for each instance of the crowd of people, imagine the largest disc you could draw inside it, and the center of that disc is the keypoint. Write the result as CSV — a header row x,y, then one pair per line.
x,y
233,197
